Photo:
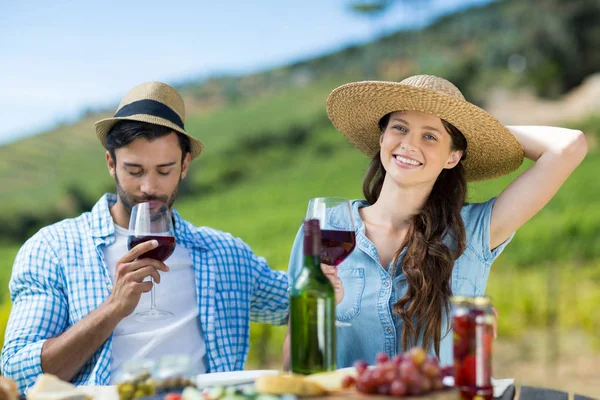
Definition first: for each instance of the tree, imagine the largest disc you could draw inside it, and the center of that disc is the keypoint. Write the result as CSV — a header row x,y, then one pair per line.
x,y
373,10
370,8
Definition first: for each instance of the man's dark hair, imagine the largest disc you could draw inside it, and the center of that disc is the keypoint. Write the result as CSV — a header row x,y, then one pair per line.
x,y
125,132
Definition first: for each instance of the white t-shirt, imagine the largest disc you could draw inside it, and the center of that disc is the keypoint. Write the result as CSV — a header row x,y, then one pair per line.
x,y
176,293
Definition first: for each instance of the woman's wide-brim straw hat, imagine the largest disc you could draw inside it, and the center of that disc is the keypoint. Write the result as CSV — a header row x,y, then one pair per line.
x,y
356,108
155,103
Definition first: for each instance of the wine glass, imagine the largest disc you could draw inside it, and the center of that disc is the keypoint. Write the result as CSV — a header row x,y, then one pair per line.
x,y
152,221
338,237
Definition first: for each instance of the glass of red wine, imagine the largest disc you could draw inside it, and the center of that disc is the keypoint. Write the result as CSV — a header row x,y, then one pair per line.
x,y
338,237
152,221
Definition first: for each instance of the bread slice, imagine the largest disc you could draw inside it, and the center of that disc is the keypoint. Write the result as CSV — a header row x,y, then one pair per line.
x,y
8,389
50,387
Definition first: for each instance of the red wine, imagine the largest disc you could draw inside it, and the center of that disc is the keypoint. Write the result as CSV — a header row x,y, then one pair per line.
x,y
166,245
336,246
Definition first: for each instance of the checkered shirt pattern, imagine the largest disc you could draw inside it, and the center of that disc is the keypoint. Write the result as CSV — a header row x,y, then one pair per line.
x,y
59,276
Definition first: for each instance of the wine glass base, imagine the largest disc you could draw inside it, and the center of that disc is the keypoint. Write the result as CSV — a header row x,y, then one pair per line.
x,y
154,314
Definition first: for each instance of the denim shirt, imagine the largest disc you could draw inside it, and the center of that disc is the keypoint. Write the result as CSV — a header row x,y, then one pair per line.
x,y
370,292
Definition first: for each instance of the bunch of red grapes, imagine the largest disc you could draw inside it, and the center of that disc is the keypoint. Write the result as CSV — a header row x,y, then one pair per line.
x,y
413,373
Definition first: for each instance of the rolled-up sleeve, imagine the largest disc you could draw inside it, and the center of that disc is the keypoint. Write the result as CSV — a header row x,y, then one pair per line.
x,y
39,310
478,221
477,218
269,301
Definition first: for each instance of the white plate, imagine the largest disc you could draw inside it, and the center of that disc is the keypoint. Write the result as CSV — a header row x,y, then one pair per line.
x,y
230,378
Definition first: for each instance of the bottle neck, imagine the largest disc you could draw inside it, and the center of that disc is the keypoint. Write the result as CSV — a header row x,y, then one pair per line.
x,y
312,250
312,247
312,266
312,262
312,244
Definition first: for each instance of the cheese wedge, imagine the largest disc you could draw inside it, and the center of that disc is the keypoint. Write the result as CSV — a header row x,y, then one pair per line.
x,y
331,381
288,384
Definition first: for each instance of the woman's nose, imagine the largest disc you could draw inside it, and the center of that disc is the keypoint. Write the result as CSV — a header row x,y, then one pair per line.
x,y
408,142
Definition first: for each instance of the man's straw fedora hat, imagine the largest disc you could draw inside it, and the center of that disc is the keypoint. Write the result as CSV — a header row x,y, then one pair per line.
x,y
153,102
356,108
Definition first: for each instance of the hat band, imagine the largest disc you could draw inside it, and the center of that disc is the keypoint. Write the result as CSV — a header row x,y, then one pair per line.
x,y
150,107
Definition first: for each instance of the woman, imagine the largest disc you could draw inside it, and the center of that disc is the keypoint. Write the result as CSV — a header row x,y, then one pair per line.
x,y
418,241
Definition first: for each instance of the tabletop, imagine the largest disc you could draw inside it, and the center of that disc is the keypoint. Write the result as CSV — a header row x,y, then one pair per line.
x,y
512,393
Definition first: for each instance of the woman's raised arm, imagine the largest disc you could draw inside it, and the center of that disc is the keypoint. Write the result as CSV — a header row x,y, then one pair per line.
x,y
556,152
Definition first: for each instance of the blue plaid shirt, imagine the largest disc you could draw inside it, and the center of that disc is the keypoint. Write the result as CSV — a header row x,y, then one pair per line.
x,y
60,276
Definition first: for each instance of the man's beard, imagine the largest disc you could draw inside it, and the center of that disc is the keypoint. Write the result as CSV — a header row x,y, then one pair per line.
x,y
130,201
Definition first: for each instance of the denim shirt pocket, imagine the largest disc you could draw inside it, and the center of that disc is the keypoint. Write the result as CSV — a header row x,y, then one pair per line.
x,y
353,280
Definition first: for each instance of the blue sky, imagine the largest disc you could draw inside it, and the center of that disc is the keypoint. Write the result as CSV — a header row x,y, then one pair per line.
x,y
59,57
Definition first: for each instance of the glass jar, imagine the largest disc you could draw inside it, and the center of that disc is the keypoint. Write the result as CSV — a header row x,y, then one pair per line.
x,y
173,373
135,381
462,336
473,325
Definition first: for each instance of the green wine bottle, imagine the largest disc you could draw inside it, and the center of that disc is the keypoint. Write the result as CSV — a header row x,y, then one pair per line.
x,y
312,310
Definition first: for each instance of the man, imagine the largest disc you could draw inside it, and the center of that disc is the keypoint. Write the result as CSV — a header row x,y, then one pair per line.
x,y
75,287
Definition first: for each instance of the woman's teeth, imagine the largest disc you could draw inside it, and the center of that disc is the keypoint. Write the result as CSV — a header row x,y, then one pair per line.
x,y
407,160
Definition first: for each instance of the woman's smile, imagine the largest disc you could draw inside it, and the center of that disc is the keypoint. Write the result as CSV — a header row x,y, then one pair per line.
x,y
406,162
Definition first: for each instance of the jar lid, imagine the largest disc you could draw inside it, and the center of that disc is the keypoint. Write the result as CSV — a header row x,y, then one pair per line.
x,y
460,299
481,301
136,370
170,366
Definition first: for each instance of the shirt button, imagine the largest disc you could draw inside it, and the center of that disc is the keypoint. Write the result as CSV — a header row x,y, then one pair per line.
x,y
110,287
389,331
386,283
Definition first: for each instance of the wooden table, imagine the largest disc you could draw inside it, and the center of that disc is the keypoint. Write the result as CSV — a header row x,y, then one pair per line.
x,y
512,393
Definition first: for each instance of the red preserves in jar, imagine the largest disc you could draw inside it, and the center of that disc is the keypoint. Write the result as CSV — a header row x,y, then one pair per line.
x,y
463,342
473,326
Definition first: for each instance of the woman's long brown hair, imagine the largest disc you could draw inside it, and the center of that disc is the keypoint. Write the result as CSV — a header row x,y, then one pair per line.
x,y
428,261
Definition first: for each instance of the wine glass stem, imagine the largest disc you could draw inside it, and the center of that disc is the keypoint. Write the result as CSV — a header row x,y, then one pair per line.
x,y
152,306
